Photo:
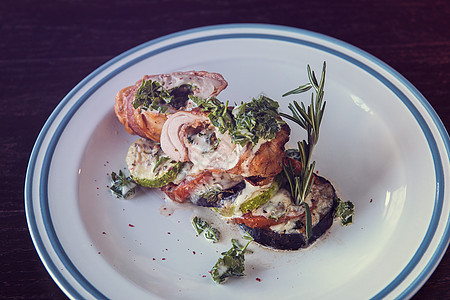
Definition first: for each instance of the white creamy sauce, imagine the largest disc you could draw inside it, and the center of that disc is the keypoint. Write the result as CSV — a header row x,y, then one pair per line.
x,y
203,86
222,156
217,182
184,172
276,206
190,105
287,227
246,194
169,82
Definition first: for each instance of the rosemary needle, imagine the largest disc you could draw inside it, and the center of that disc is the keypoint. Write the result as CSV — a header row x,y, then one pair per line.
x,y
309,118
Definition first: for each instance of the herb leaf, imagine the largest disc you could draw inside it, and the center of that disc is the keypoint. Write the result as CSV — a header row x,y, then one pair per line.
x,y
246,123
309,118
232,263
300,186
152,95
345,211
212,234
308,220
122,186
256,119
300,89
219,114
201,226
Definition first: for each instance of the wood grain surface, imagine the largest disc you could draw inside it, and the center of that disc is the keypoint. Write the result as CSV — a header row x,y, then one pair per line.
x,y
47,47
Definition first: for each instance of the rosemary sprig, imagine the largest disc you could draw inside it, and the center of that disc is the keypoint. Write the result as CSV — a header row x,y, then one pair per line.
x,y
300,186
309,118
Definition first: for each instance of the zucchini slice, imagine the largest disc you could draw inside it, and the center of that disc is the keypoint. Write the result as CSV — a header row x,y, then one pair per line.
x,y
149,166
250,198
260,197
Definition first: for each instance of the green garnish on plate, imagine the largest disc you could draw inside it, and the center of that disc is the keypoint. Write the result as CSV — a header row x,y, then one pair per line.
x,y
232,262
202,227
122,186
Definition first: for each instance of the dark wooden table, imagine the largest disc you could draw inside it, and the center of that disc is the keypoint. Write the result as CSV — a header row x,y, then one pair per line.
x,y
48,46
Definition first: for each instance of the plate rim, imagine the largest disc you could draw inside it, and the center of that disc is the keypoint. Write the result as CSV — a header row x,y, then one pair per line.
x,y
205,35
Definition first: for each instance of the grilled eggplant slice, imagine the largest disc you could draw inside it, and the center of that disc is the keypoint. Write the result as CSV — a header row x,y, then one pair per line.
x,y
288,233
219,198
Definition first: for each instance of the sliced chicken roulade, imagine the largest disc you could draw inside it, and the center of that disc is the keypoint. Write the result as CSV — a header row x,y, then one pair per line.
x,y
190,136
146,121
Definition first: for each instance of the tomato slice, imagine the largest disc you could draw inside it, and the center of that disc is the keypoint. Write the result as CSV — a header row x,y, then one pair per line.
x,y
260,221
255,221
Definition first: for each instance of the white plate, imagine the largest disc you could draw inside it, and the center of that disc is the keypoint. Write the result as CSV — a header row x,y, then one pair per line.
x,y
381,144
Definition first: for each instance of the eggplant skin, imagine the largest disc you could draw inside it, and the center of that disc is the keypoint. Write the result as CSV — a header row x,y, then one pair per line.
x,y
293,241
224,196
289,241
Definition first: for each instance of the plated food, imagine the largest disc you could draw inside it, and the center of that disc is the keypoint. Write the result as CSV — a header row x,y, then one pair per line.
x,y
365,138
231,159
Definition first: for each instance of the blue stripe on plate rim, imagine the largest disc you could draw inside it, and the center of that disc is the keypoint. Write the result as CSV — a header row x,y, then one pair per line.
x,y
43,197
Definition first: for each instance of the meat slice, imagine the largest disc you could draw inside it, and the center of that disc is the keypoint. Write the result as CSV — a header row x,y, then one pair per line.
x,y
148,123
190,136
206,84
265,161
176,131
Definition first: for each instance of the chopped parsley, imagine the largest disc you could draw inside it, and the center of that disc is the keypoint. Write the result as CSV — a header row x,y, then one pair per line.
x,y
246,123
219,113
122,186
152,95
202,227
345,211
232,262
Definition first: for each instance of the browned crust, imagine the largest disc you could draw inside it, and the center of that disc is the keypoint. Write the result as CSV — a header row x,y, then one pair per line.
x,y
268,160
120,107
